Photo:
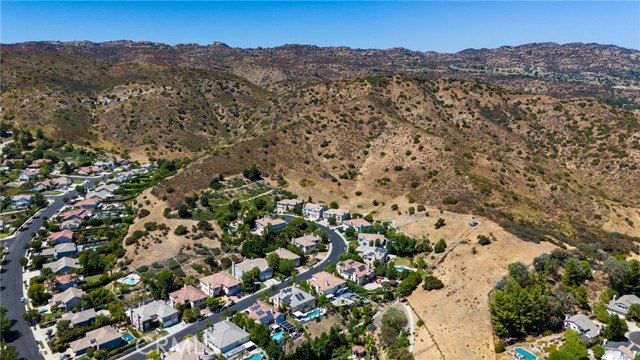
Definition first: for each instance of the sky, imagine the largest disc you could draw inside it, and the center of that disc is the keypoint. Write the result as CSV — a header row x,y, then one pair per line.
x,y
444,26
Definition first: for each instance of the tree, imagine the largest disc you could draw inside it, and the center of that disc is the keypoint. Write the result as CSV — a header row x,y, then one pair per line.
x,y
286,267
8,352
572,273
37,294
252,173
273,260
634,312
440,246
259,203
32,316
440,223
180,230
213,303
393,321
165,283
598,351
249,279
5,323
24,261
183,212
332,221
431,282
573,348
154,355
333,205
616,328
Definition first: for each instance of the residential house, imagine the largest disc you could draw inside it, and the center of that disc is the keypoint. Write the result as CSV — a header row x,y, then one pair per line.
x,y
82,318
63,265
358,224
67,299
62,282
365,239
21,200
188,294
221,283
43,185
227,339
620,350
60,250
264,313
620,306
61,237
267,225
79,214
313,211
37,164
87,170
122,177
306,243
73,224
288,255
105,337
356,271
109,187
294,298
358,352
88,204
154,314
287,205
582,324
102,194
188,349
61,182
27,175
104,165
247,265
371,253
339,214
327,284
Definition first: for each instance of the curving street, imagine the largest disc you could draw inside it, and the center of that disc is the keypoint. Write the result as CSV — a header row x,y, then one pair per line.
x,y
11,277
337,248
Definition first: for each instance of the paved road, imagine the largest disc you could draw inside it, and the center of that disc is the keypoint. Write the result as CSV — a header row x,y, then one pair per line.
x,y
11,280
337,248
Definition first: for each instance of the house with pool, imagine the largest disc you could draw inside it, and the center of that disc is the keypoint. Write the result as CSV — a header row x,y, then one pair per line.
x,y
227,339
264,313
294,298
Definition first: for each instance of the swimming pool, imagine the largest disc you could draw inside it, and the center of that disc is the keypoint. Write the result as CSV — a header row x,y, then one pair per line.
x,y
130,280
312,315
524,353
254,357
276,337
403,268
128,337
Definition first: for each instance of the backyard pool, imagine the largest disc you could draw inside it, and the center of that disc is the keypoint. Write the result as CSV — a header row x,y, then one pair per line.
x,y
524,353
312,315
254,357
276,337
403,268
130,280
128,337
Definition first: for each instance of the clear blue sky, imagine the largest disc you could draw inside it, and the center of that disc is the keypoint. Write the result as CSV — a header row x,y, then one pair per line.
x,y
440,26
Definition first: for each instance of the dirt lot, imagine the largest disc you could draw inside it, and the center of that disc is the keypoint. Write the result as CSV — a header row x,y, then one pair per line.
x,y
170,245
457,316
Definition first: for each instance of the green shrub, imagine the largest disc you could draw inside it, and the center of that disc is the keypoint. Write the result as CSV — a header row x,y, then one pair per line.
x,y
449,200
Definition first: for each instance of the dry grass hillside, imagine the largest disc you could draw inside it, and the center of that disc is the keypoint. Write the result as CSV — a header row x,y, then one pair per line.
x,y
538,165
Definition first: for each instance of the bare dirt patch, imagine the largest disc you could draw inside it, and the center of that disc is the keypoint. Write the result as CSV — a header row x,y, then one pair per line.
x,y
171,243
458,315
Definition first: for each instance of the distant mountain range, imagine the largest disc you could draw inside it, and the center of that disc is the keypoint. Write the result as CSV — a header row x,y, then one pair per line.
x,y
285,67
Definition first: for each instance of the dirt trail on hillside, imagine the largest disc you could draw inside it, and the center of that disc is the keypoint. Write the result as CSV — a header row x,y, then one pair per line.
x,y
457,317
